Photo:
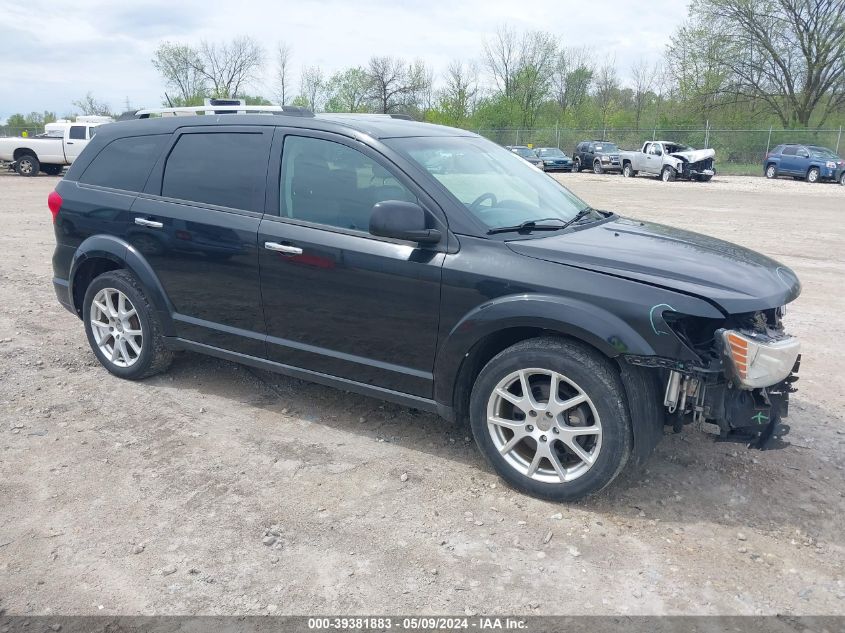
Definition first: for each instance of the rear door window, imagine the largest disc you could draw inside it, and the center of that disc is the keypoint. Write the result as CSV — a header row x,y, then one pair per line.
x,y
125,163
226,169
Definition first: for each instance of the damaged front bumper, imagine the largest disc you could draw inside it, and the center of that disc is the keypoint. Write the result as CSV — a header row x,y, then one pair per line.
x,y
745,396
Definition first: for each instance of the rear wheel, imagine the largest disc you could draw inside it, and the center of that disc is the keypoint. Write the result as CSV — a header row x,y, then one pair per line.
x,y
813,175
28,165
550,416
668,174
597,168
704,178
842,179
771,171
122,328
628,171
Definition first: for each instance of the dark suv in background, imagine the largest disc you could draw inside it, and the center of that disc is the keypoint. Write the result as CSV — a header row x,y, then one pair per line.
x,y
427,266
600,156
809,162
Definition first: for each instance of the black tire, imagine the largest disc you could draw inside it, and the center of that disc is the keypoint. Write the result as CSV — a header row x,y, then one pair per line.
x,y
154,357
596,376
28,165
771,171
576,165
628,171
667,174
813,174
597,168
51,170
704,178
842,179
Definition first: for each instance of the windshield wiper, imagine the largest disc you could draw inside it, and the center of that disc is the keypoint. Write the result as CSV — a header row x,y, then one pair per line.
x,y
533,225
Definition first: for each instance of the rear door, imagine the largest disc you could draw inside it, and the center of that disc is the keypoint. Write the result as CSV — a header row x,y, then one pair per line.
x,y
197,225
789,160
338,300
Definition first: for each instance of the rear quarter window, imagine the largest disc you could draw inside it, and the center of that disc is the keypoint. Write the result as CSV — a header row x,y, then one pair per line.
x,y
221,168
125,163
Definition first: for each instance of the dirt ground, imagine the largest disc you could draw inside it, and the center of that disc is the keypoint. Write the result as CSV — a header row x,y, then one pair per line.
x,y
217,489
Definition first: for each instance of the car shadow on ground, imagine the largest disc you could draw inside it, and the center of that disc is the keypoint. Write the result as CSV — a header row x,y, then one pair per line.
x,y
689,479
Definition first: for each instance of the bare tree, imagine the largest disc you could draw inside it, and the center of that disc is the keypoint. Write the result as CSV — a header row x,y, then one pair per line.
x,y
459,94
229,67
606,89
89,105
178,64
502,57
787,54
283,60
644,77
394,84
312,87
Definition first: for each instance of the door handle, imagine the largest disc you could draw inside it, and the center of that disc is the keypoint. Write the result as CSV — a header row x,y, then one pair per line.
x,y
287,249
150,223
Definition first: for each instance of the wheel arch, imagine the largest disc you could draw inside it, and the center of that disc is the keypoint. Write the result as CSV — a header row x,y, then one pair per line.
x,y
102,253
23,151
496,325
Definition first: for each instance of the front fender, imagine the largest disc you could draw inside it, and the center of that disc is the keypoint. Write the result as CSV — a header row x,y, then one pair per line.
x,y
125,256
568,316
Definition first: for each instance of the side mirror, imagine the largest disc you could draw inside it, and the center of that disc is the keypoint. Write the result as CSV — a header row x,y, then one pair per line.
x,y
402,221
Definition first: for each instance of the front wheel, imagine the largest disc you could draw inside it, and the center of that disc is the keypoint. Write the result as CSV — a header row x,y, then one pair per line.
x,y
771,172
813,175
550,416
628,171
576,166
842,179
597,168
51,170
28,166
122,328
668,174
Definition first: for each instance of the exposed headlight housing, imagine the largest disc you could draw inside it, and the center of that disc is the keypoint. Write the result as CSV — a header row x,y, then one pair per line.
x,y
757,360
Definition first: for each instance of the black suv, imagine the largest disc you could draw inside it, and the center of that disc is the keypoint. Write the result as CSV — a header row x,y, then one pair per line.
x,y
427,266
601,156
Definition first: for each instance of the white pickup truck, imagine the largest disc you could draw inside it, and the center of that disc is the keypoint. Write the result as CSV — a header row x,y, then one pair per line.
x,y
50,154
669,161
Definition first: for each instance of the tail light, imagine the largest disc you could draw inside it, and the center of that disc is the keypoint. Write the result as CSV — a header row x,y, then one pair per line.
x,y
54,202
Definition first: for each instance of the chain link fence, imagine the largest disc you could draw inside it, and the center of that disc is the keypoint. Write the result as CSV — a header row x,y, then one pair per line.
x,y
6,130
737,150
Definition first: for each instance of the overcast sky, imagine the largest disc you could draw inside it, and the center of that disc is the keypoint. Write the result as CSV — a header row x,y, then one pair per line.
x,y
52,53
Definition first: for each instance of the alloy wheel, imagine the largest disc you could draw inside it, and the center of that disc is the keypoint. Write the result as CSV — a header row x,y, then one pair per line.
x,y
544,425
25,166
116,327
770,171
813,175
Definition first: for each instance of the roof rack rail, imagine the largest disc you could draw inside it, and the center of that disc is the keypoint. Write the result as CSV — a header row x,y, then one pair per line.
x,y
224,109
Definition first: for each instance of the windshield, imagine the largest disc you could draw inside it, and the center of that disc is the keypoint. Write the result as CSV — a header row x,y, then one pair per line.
x,y
524,152
822,152
606,147
497,187
550,152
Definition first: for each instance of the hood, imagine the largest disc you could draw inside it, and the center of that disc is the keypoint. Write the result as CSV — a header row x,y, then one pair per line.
x,y
695,155
735,278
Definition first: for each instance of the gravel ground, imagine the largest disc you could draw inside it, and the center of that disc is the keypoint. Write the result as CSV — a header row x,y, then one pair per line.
x,y
217,489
